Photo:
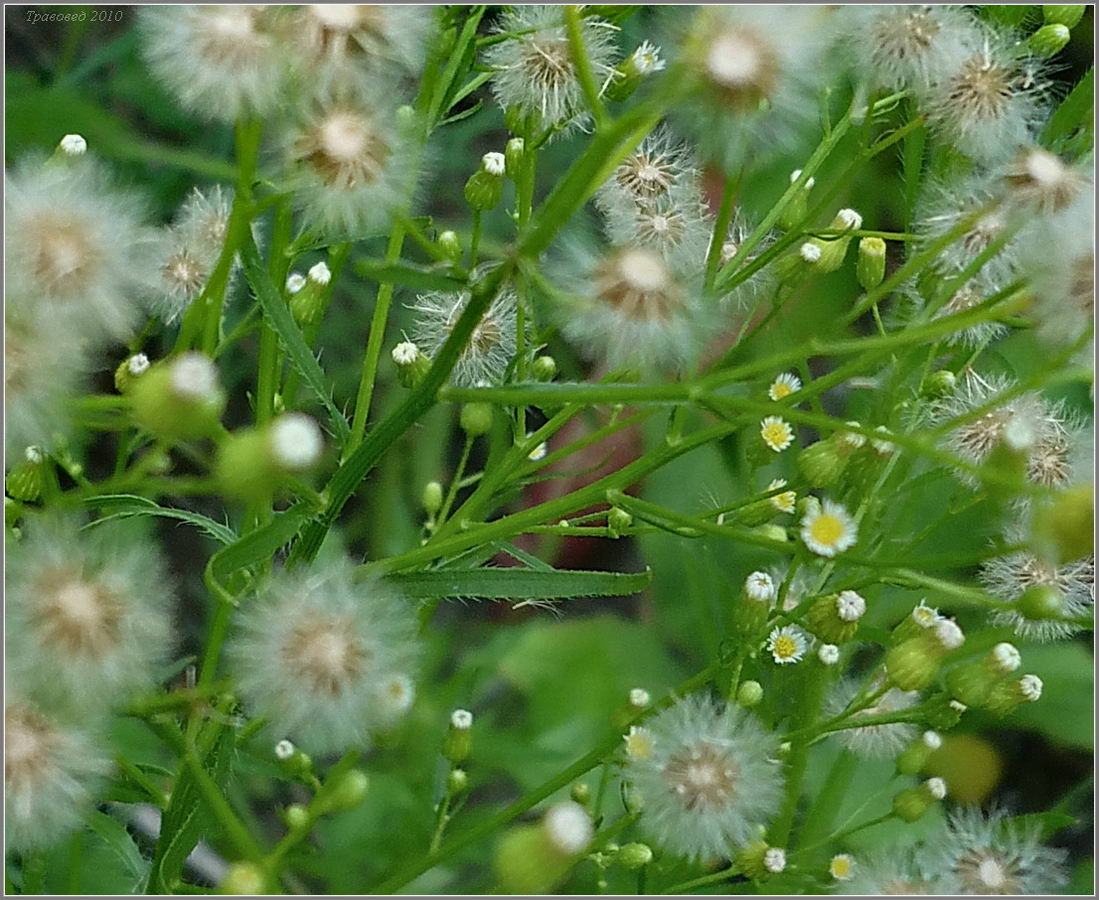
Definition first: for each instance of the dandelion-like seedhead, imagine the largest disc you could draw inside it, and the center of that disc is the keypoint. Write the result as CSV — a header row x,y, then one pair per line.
x,y
874,741
490,348
887,873
533,69
708,780
982,853
51,770
325,657
77,247
220,62
345,159
661,170
96,603
675,227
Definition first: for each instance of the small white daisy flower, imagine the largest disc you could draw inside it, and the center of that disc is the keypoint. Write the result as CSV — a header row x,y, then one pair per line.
x,y
786,502
787,644
709,780
829,531
776,433
783,386
639,742
841,867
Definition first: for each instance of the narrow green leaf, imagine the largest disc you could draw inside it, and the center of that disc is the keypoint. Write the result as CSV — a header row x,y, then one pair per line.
x,y
433,278
261,544
290,337
128,506
1046,824
117,838
521,584
1075,111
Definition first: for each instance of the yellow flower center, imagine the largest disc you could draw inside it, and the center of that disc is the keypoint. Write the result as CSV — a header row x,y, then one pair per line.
x,y
780,389
776,435
841,867
785,647
826,529
639,743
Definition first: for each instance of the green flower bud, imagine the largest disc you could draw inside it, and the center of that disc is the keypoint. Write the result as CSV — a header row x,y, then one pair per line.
x,y
432,498
514,154
1007,696
1068,15
1049,40
618,520
914,757
243,878
349,792
911,804
13,512
807,505
629,73
749,694
485,186
798,264
533,859
913,664
25,481
292,760
834,249
130,369
753,605
1063,529
772,532
973,683
179,398
308,303
794,213
412,364
634,856
544,368
456,782
459,738
939,384
759,861
580,793
914,624
476,418
943,712
821,464
253,463
1040,601
296,816
449,246
835,618
870,268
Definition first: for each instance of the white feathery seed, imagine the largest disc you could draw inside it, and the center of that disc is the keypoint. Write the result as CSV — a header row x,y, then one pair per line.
x,y
296,441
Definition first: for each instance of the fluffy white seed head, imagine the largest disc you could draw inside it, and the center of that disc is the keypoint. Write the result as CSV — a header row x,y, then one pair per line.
x,y
193,376
296,441
760,587
874,741
774,860
95,602
318,652
189,250
708,778
461,719
73,145
568,827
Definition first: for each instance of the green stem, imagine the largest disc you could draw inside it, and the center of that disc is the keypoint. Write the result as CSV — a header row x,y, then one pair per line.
x,y
582,63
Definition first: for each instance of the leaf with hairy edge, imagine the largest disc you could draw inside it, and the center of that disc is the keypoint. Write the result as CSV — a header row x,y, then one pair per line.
x,y
521,584
128,506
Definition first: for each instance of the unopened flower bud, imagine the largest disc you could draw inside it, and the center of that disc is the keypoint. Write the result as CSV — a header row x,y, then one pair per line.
x,y
822,464
914,757
1008,695
1040,601
432,497
634,856
252,463
1062,530
828,654
835,618
131,368
772,532
939,384
25,481
753,606
794,214
456,782
284,750
73,145
629,73
459,738
296,816
476,418
870,268
915,623
749,694
913,664
243,878
973,683
580,793
544,368
618,521
1049,40
911,804
295,281
412,364
485,186
308,303
759,861
514,154
533,859
833,249
1067,14
449,246
179,397
349,792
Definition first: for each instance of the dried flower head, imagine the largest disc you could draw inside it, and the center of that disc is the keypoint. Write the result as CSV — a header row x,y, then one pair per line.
x,y
317,653
220,62
96,601
490,348
50,771
991,854
533,68
709,779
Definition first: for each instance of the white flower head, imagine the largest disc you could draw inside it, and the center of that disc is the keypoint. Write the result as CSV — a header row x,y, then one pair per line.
x,y
774,860
708,781
829,530
461,719
493,163
73,145
932,740
647,58
841,867
285,749
829,654
51,770
568,827
850,606
320,273
533,70
138,364
639,742
194,376
948,634
95,602
787,644
490,348
1006,658
786,502
991,854
760,587
296,441
1031,688
318,653
220,62
395,694
639,698
783,386
809,253
776,433
405,353
295,281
